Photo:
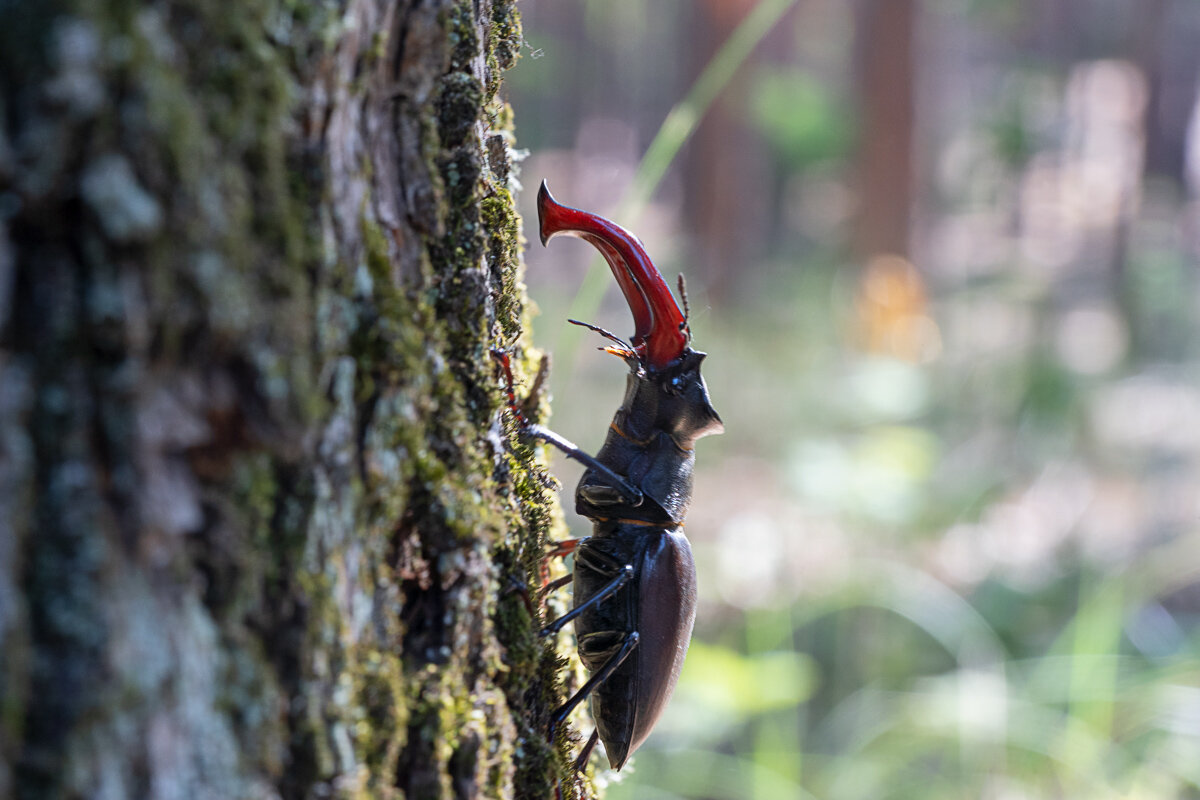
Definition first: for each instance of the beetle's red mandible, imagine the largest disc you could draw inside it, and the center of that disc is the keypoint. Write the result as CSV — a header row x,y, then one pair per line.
x,y
660,330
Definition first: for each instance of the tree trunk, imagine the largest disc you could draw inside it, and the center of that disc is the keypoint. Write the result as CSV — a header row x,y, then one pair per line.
x,y
886,75
263,525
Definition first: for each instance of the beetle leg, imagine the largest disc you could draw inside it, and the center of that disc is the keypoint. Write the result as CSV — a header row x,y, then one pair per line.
x,y
632,495
622,577
516,586
557,550
563,548
601,675
586,752
555,584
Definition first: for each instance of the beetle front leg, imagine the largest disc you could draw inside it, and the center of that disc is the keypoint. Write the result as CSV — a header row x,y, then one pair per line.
x,y
629,493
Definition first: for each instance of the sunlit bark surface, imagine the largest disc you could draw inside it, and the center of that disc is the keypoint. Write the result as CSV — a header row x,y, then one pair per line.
x,y
260,517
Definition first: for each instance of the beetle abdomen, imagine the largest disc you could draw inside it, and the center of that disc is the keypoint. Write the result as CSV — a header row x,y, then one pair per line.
x,y
667,612
661,606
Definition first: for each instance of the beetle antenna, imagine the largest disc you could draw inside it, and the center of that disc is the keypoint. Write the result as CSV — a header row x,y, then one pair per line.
x,y
625,347
687,312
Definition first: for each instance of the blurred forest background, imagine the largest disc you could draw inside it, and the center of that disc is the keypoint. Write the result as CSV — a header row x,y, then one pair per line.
x,y
943,257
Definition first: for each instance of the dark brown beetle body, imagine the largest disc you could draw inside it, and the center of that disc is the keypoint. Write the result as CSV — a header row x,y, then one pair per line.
x,y
660,604
635,579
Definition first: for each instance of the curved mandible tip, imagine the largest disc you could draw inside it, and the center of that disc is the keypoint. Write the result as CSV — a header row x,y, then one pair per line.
x,y
660,329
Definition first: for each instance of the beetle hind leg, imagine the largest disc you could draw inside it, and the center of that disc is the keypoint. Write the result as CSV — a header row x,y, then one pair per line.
x,y
615,660
579,765
586,753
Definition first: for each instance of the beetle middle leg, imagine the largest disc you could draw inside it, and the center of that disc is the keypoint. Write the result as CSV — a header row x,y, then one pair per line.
x,y
622,576
549,586
557,550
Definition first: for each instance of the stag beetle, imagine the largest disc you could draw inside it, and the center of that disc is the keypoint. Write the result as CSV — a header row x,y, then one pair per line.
x,y
634,577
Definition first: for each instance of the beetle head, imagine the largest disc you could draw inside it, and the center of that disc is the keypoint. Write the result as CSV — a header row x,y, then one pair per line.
x,y
685,410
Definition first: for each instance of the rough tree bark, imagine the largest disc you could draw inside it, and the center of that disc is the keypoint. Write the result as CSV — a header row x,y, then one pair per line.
x,y
261,513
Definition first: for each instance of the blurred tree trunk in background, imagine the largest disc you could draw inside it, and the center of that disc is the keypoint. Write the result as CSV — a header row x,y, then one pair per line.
x,y
1164,148
723,157
886,80
257,510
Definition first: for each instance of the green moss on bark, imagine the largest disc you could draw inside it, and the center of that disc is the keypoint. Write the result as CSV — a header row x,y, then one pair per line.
x,y
281,279
468,506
